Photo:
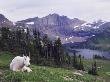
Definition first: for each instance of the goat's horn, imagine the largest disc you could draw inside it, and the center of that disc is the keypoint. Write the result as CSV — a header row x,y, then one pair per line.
x,y
29,54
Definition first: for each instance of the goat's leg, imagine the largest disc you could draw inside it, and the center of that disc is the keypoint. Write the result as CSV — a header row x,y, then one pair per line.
x,y
28,69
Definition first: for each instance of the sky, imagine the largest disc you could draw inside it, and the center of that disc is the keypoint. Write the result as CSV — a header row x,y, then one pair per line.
x,y
88,10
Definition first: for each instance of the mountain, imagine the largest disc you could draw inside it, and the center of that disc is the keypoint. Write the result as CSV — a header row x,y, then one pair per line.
x,y
4,22
100,41
55,26
69,30
90,26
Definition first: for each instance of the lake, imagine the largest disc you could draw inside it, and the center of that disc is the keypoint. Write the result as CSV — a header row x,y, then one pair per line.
x,y
88,53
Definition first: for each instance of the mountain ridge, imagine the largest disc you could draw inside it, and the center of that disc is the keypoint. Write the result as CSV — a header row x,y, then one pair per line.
x,y
4,22
54,25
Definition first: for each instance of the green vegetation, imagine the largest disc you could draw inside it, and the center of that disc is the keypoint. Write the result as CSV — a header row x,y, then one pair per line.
x,y
100,41
43,51
51,74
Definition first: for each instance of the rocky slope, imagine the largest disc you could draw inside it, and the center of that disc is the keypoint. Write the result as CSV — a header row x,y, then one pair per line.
x,y
69,30
55,26
4,22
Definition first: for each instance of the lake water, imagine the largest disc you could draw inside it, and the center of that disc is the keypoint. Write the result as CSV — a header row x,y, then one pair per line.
x,y
88,54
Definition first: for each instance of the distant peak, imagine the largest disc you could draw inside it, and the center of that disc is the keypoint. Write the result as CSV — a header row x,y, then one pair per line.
x,y
2,16
76,19
54,14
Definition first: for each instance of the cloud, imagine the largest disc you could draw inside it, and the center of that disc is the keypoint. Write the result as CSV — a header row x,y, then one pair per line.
x,y
85,9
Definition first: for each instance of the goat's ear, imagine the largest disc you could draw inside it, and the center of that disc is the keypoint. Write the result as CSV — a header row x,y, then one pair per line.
x,y
23,55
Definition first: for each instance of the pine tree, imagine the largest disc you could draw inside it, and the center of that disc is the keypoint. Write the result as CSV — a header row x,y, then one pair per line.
x,y
36,43
20,44
12,41
75,62
5,38
27,41
46,44
93,69
80,65
68,59
58,53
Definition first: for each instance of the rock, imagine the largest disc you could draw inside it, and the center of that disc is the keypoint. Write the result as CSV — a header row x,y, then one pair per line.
x,y
1,73
108,73
53,25
76,73
67,78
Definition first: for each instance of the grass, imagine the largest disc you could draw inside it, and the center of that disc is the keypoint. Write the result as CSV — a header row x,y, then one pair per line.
x,y
104,70
50,74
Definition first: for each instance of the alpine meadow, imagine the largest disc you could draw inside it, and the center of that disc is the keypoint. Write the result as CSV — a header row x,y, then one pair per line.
x,y
54,41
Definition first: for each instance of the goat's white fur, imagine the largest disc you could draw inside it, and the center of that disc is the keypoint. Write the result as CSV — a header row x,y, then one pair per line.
x,y
26,69
20,64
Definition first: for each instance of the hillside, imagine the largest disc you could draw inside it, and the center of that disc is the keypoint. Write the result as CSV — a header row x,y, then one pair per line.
x,y
51,74
55,25
100,41
69,30
4,22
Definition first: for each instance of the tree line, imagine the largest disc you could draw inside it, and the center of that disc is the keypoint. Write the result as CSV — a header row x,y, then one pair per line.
x,y
43,51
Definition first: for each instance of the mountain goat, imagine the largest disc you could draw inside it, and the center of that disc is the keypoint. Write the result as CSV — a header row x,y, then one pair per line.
x,y
20,64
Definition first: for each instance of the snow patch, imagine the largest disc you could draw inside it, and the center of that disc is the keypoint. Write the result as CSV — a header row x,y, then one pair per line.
x,y
93,35
66,39
76,26
95,27
14,23
86,24
30,23
25,30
